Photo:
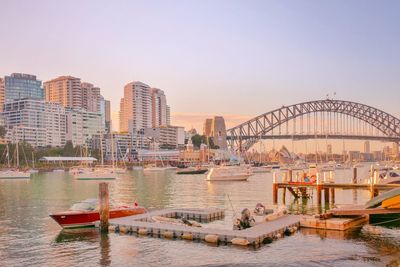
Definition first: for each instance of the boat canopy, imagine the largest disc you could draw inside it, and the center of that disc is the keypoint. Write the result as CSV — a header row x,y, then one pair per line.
x,y
88,205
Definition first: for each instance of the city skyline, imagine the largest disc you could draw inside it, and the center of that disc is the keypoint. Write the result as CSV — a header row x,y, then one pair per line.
x,y
289,51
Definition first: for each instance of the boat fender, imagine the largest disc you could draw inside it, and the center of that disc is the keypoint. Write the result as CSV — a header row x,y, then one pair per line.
x,y
123,229
117,229
211,239
278,235
187,236
240,241
168,234
142,231
267,240
111,228
295,228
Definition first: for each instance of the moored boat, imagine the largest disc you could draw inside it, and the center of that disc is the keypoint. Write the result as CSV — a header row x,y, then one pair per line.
x,y
14,174
86,213
229,173
192,171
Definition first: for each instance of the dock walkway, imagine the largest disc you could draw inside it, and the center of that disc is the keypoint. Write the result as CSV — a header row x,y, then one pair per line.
x,y
255,235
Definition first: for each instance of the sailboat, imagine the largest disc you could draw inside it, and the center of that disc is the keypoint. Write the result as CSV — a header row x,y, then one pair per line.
x,y
14,173
99,173
154,167
33,170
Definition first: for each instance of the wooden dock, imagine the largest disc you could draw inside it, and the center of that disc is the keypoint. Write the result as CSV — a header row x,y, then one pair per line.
x,y
261,233
350,210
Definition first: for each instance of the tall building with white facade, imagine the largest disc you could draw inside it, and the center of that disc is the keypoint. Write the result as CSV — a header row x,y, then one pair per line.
x,y
2,92
65,90
168,136
168,115
159,108
136,107
81,125
36,122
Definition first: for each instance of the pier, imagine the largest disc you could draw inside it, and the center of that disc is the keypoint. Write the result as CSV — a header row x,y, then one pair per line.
x,y
263,232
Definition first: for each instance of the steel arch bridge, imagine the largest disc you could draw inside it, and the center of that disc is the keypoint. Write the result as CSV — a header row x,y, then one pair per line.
x,y
321,118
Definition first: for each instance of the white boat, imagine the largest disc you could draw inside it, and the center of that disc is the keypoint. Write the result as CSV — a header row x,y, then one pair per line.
x,y
14,174
229,173
99,174
58,170
390,177
154,169
33,171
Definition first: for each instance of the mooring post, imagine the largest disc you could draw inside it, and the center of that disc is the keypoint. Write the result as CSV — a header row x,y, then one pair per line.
x,y
104,206
354,175
319,188
290,174
274,189
326,195
333,195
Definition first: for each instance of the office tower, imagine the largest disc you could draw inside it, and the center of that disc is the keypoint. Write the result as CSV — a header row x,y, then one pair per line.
x,y
218,132
207,127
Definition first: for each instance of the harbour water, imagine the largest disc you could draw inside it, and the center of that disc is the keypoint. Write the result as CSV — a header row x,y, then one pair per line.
x,y
29,237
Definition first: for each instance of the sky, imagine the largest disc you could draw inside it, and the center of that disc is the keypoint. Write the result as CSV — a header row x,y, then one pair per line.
x,y
238,59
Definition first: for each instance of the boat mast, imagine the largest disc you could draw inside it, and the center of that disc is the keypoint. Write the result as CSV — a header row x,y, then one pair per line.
x,y
8,156
17,155
112,148
101,149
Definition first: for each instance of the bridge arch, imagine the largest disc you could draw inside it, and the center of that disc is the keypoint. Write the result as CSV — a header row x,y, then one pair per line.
x,y
243,136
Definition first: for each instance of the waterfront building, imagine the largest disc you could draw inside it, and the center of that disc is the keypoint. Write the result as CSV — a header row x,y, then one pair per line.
x,y
82,125
143,107
105,112
159,108
36,122
65,90
2,94
136,107
18,86
166,136
91,97
168,115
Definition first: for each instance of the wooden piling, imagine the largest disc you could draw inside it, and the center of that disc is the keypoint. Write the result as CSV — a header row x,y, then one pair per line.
x,y
274,189
326,195
290,175
319,189
354,175
104,206
284,196
333,195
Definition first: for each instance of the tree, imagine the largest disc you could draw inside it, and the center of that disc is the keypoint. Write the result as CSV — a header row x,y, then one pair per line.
x,y
68,149
3,131
197,140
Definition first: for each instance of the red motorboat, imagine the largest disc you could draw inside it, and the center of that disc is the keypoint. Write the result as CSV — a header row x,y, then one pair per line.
x,y
86,213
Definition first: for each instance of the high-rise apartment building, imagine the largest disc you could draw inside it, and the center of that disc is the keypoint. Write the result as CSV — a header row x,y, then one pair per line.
x,y
105,111
143,107
81,125
159,108
136,107
65,90
1,94
36,122
91,97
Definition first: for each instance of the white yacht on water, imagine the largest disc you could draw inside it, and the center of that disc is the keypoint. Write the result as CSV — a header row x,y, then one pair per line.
x,y
14,173
229,173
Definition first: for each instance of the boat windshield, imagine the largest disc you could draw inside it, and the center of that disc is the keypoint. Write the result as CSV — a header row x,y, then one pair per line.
x,y
89,204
